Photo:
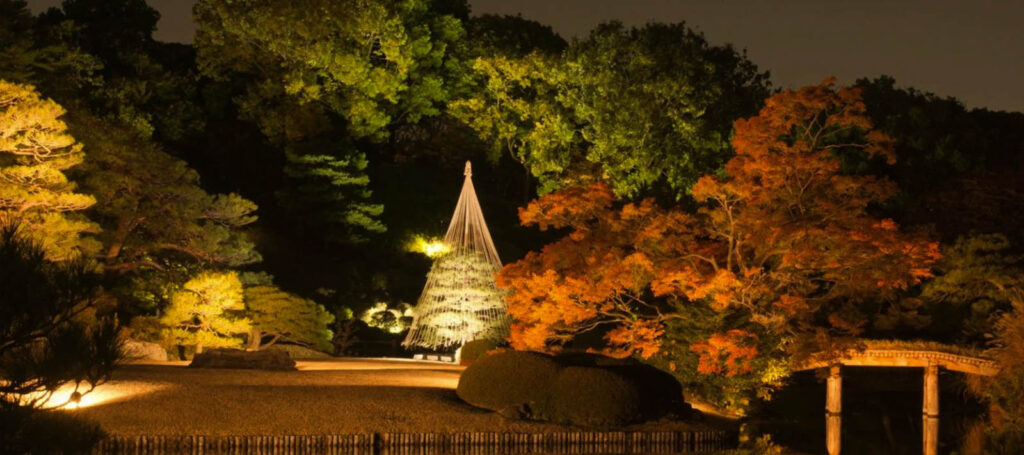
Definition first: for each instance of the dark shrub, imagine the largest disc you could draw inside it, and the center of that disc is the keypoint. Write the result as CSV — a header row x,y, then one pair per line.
x,y
508,379
578,389
660,392
475,349
580,359
593,396
49,334
234,358
28,431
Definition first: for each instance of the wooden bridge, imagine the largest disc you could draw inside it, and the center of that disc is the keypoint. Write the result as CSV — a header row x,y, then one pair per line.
x,y
930,360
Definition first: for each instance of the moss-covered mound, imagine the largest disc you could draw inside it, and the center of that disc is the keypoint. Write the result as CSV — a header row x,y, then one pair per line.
x,y
475,349
579,389
593,397
508,379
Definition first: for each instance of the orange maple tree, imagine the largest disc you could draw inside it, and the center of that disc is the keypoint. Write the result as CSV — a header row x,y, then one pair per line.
x,y
783,243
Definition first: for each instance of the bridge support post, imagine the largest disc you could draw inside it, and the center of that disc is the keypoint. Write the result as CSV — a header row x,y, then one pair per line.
x,y
833,410
930,411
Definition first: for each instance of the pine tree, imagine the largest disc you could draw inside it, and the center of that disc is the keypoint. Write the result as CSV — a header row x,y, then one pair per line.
x,y
461,301
207,312
49,336
328,193
35,150
284,316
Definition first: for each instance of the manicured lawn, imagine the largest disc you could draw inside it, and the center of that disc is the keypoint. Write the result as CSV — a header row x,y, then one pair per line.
x,y
323,397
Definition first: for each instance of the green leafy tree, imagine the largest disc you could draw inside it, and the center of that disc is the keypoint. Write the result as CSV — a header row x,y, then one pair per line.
x,y
208,311
640,108
328,196
1005,391
281,316
152,208
35,150
160,227
369,62
356,71
973,286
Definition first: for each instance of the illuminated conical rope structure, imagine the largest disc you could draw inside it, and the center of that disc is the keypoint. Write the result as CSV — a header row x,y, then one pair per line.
x,y
461,301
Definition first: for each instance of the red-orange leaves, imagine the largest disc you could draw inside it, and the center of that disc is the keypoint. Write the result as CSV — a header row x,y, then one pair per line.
x,y
782,243
730,353
640,336
599,274
567,207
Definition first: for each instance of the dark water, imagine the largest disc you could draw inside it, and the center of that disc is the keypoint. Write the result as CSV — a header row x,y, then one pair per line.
x,y
881,413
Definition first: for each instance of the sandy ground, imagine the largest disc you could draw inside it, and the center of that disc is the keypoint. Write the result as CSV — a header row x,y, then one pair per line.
x,y
323,397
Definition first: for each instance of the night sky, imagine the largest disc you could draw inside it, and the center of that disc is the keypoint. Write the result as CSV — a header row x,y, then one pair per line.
x,y
971,50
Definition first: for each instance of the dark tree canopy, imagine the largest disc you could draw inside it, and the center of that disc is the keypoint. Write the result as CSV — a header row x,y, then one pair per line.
x,y
957,168
511,36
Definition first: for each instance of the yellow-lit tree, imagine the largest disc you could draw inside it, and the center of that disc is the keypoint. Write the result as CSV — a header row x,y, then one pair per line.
x,y
35,150
208,311
278,315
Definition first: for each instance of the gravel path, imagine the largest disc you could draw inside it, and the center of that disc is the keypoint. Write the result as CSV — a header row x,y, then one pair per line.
x,y
323,397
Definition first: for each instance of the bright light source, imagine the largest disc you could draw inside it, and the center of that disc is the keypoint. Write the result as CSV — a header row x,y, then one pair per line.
x,y
67,397
430,246
75,400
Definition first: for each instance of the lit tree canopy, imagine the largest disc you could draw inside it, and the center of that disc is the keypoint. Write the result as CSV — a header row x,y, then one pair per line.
x,y
782,258
208,311
975,281
35,150
370,62
635,107
285,317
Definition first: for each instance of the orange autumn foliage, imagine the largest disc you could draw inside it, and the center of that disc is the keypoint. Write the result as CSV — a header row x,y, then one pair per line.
x,y
597,275
727,353
784,241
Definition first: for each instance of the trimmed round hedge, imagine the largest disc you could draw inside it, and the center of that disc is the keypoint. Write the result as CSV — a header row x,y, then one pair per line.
x,y
660,392
475,349
593,397
579,389
508,379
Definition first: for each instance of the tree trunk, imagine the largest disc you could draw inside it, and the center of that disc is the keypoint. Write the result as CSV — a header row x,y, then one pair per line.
x,y
277,336
124,227
833,410
255,336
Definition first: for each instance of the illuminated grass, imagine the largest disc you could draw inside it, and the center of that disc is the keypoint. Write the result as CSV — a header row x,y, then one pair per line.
x,y
329,397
